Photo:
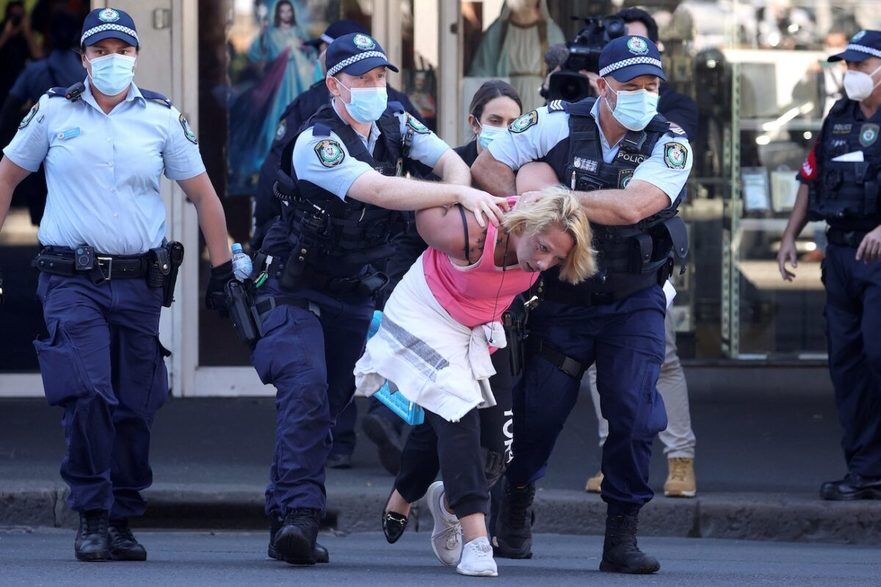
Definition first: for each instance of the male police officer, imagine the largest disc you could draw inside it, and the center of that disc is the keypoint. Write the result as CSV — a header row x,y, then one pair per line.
x,y
678,438
841,180
339,191
106,271
629,166
266,205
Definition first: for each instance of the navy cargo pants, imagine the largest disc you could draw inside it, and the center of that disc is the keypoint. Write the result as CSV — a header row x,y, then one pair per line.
x,y
853,331
103,363
626,340
310,359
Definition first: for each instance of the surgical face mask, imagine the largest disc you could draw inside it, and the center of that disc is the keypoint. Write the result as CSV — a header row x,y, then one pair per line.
x,y
112,74
489,133
634,109
367,104
859,85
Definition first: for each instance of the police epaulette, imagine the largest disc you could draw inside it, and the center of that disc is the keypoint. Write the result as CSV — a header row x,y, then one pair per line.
x,y
72,93
556,106
156,97
580,108
319,129
396,107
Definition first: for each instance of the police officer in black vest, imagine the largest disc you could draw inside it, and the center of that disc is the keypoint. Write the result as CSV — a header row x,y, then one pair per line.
x,y
266,205
629,166
340,187
841,180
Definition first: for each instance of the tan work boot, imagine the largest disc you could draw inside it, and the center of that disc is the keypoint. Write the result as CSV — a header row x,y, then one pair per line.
x,y
593,484
680,478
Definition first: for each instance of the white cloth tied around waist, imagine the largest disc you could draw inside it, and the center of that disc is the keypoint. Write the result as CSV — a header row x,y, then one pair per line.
x,y
426,355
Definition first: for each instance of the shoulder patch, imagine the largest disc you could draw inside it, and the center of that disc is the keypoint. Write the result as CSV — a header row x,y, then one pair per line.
x,y
188,132
524,122
556,106
675,155
417,126
281,129
29,116
329,152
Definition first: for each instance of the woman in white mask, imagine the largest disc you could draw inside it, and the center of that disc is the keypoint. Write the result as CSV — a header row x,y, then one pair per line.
x,y
106,270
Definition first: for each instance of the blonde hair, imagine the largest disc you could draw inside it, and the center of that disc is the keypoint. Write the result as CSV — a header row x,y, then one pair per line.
x,y
558,206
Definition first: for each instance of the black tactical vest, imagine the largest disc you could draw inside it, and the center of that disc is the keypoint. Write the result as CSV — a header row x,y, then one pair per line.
x,y
338,237
630,258
846,192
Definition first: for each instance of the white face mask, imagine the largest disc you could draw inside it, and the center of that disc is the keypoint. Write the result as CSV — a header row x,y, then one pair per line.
x,y
112,74
859,85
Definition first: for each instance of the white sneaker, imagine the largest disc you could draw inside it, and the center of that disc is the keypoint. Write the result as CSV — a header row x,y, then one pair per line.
x,y
477,559
446,537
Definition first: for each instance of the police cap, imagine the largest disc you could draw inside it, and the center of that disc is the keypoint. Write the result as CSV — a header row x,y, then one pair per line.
x,y
627,57
109,23
355,54
862,45
336,29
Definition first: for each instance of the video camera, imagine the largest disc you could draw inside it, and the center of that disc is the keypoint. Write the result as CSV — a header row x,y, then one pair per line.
x,y
584,54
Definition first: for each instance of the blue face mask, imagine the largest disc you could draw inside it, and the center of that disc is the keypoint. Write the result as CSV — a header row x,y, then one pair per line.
x,y
112,74
489,133
634,109
367,104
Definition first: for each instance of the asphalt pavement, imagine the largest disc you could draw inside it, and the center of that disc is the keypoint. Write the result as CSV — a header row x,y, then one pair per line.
x,y
766,438
45,557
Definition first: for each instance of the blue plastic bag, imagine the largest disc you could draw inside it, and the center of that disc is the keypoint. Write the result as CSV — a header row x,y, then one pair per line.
x,y
410,412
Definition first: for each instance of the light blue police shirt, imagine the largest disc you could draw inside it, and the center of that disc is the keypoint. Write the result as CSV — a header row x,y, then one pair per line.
x,y
103,170
517,149
325,160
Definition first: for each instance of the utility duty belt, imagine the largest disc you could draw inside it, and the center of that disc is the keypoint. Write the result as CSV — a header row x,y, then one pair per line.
x,y
845,238
158,266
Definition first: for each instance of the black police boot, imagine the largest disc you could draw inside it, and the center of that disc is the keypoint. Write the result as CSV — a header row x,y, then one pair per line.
x,y
295,540
850,488
513,537
123,544
321,555
92,541
620,552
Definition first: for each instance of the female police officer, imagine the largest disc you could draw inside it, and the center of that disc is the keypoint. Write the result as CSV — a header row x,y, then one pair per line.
x,y
105,268
629,166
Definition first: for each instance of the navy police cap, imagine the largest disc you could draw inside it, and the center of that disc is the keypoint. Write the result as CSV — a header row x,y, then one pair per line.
x,y
336,29
862,45
631,56
355,54
109,23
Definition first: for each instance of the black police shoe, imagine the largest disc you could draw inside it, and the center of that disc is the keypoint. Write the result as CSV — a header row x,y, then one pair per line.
x,y
513,527
123,544
388,442
92,542
339,461
295,540
320,553
852,487
620,552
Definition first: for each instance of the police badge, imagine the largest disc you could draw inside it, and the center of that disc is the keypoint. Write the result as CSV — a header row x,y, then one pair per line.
x,y
330,153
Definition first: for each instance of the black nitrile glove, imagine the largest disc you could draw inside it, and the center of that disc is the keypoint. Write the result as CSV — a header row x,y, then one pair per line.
x,y
215,294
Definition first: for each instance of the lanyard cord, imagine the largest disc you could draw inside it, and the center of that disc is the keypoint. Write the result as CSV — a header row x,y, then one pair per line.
x,y
501,281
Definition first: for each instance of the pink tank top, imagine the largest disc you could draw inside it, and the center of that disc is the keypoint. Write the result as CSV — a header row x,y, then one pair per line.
x,y
479,293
